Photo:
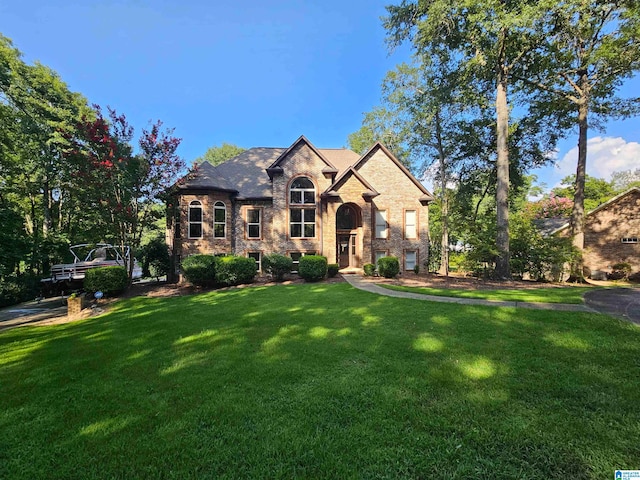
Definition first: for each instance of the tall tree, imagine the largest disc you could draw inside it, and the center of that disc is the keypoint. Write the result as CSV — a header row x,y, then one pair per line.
x,y
589,48
488,39
218,154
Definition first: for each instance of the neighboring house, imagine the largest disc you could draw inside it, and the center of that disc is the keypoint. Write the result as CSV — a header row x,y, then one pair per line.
x,y
612,233
303,200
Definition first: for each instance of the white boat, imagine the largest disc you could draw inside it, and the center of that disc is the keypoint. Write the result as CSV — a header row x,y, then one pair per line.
x,y
91,255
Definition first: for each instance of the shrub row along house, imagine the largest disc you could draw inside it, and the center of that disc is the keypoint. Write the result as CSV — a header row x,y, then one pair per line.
x,y
299,201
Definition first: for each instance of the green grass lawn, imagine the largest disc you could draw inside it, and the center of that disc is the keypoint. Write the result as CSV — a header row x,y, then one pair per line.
x,y
319,381
564,294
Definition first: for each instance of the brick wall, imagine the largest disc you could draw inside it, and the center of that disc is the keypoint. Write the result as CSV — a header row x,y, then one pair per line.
x,y
604,230
397,194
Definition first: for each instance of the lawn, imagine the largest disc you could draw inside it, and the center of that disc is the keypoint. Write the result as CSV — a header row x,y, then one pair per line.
x,y
564,294
319,381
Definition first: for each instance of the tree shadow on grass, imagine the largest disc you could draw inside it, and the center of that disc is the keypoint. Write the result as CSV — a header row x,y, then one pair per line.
x,y
319,381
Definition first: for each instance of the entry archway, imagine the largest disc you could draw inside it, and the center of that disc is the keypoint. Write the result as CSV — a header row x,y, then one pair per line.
x,y
348,226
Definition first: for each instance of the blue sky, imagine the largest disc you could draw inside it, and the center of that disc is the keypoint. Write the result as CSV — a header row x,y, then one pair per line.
x,y
253,73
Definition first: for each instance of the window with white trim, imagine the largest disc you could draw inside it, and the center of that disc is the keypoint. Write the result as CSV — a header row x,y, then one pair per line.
x,y
382,227
629,239
302,222
257,256
296,256
410,259
302,192
219,220
410,224
195,219
254,223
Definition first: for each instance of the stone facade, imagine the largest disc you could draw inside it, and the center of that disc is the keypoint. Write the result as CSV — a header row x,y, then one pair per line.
x,y
358,186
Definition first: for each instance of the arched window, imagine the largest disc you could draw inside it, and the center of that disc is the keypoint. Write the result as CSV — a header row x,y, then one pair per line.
x,y
346,218
219,220
195,219
302,192
302,212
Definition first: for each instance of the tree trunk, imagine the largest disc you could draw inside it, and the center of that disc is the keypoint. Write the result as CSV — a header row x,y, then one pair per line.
x,y
502,166
444,245
576,223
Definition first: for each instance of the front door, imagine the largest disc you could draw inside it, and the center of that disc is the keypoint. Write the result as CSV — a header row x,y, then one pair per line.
x,y
343,250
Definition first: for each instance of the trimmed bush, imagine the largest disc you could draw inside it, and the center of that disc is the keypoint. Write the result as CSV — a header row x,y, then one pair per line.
x,y
313,267
332,269
389,267
108,280
277,265
234,270
155,258
200,270
416,269
369,269
620,271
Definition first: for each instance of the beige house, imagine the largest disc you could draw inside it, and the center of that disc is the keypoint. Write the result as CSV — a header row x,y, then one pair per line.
x,y
612,233
303,200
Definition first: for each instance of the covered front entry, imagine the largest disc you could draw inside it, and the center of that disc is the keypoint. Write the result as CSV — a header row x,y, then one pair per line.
x,y
348,230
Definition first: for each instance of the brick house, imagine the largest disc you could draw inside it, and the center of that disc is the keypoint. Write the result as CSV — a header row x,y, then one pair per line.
x,y
303,200
612,233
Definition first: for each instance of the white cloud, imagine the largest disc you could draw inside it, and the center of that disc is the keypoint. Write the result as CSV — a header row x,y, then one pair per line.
x,y
605,155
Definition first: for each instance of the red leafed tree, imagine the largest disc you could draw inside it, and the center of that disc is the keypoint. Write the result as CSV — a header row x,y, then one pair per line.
x,y
121,185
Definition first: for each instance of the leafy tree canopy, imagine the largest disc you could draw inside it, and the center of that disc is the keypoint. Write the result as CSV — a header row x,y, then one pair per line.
x,y
218,154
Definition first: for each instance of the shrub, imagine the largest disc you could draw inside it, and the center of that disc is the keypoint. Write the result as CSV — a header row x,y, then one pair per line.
x,y
389,267
277,265
620,271
18,288
313,267
234,270
332,269
369,269
108,280
416,269
155,258
200,270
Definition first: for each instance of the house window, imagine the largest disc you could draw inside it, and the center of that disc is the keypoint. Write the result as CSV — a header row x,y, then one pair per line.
x,y
346,218
254,223
296,256
410,230
302,222
257,256
410,259
380,254
219,220
382,227
195,219
302,192
629,239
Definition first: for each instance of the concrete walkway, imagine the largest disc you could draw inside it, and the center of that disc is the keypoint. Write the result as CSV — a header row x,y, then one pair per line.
x,y
358,282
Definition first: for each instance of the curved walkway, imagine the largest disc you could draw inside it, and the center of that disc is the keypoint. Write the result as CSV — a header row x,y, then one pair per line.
x,y
358,282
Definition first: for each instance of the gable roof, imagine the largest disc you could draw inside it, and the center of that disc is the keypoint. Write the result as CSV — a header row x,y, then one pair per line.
x,y
426,197
277,165
332,191
601,207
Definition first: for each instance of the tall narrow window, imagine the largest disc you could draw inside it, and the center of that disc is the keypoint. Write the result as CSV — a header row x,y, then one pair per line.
x,y
195,219
410,259
254,223
410,230
219,220
382,227
302,219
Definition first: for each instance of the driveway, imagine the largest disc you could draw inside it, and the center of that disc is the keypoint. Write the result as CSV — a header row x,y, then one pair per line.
x,y
620,302
46,312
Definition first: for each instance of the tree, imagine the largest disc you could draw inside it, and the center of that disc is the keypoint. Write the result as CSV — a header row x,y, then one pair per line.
x,y
216,155
488,39
589,48
123,186
625,179
596,190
